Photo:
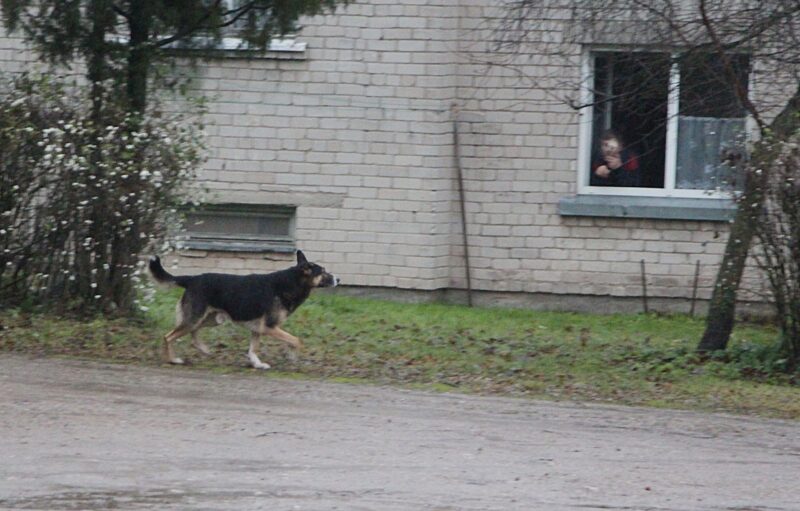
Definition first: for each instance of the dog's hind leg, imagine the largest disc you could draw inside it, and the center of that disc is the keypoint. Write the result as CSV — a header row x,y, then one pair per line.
x,y
190,312
252,354
199,344
210,319
284,336
169,339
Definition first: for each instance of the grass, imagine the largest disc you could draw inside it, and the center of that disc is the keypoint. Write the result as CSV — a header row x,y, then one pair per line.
x,y
624,359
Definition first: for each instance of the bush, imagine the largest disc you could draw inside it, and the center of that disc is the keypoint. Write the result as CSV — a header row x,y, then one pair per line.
x,y
778,253
83,193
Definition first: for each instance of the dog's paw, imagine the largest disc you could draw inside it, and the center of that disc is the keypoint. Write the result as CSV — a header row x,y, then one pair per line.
x,y
256,362
202,348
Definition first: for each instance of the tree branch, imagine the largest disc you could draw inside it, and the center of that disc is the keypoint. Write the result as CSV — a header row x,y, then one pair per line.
x,y
234,14
738,86
120,11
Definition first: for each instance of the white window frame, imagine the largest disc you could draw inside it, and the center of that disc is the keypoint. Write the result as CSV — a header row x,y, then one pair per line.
x,y
288,46
586,118
233,44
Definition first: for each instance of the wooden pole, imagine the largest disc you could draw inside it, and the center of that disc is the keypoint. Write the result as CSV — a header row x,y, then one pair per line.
x,y
694,286
460,181
644,288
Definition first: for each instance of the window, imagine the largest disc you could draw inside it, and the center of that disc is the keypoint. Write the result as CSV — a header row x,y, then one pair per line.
x,y
254,18
231,41
241,227
674,114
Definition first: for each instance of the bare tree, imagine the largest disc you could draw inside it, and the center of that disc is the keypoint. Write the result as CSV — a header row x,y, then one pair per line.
x,y
778,250
741,53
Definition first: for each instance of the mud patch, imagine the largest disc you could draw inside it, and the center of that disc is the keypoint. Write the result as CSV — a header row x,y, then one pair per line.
x,y
99,500
168,499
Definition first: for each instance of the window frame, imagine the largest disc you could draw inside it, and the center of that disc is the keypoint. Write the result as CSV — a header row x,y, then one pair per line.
x,y
241,242
585,134
287,44
286,47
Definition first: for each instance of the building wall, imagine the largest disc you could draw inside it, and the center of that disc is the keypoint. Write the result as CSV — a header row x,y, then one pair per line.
x,y
520,148
358,133
520,156
365,124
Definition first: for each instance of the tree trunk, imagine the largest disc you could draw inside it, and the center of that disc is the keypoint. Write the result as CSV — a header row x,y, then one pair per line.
x,y
139,55
722,308
101,15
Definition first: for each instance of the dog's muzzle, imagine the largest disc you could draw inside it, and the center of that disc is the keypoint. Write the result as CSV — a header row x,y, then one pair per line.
x,y
330,280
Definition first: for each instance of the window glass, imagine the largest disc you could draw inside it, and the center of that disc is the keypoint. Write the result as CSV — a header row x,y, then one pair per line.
x,y
631,106
240,227
706,89
631,98
226,224
711,122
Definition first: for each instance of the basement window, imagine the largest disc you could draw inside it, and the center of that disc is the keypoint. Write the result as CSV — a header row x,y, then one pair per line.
x,y
241,228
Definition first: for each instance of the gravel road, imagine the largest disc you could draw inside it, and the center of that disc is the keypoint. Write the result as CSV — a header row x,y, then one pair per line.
x,y
78,435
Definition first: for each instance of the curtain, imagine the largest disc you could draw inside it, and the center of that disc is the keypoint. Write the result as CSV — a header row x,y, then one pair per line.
x,y
701,141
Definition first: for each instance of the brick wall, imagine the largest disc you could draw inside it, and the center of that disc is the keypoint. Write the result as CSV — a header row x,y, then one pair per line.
x,y
367,117
358,133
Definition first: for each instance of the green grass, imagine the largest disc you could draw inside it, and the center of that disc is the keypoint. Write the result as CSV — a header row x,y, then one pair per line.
x,y
624,359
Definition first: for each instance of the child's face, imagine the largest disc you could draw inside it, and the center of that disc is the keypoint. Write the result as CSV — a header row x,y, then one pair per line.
x,y
610,146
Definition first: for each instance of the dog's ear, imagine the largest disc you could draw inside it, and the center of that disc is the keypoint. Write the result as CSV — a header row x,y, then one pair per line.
x,y
301,257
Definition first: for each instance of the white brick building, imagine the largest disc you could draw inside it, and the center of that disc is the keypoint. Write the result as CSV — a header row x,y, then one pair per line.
x,y
354,137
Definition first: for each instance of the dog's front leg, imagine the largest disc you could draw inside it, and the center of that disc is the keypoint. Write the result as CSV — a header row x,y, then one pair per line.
x,y
252,354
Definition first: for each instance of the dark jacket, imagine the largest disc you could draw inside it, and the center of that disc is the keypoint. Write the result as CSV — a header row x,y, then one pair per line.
x,y
626,175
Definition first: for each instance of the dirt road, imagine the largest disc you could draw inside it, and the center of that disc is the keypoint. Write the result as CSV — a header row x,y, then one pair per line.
x,y
85,435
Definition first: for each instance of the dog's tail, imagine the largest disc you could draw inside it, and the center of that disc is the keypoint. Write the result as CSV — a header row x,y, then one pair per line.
x,y
162,276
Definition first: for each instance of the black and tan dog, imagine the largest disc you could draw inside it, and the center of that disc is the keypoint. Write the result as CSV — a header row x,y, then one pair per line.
x,y
260,302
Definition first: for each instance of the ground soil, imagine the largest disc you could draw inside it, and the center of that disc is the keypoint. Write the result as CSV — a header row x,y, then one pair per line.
x,y
88,435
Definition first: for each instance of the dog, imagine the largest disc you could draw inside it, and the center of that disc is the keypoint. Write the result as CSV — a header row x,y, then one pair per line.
x,y
260,302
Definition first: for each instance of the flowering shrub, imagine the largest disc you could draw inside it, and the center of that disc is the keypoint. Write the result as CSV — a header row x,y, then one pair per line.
x,y
83,193
778,253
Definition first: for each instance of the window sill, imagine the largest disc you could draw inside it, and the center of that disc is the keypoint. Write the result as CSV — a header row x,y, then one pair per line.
x,y
234,47
658,208
238,246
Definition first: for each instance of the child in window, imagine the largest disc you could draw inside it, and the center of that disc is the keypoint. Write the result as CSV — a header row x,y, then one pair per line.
x,y
614,165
